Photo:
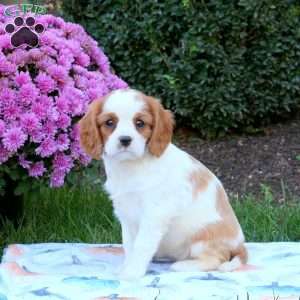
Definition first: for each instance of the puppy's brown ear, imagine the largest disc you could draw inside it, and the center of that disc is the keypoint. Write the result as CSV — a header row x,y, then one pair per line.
x,y
162,127
89,132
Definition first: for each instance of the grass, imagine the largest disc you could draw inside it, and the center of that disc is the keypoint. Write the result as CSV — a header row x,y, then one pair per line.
x,y
264,220
85,215
65,215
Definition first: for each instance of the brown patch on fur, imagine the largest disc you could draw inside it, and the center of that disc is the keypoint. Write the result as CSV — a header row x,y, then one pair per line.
x,y
93,130
200,180
240,252
90,137
162,127
147,118
105,130
227,228
214,255
217,234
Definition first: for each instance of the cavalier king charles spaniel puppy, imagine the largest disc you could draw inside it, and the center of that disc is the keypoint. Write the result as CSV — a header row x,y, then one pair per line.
x,y
169,204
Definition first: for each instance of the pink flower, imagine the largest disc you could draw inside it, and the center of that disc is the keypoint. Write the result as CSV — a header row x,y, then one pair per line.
x,y
5,42
81,82
84,159
46,148
45,83
58,73
18,57
37,136
7,67
62,162
7,95
37,169
48,50
83,60
22,78
4,154
57,178
43,93
35,53
63,121
95,93
75,150
4,83
30,122
63,142
2,127
13,139
50,128
62,104
23,162
11,111
28,93
75,132
39,110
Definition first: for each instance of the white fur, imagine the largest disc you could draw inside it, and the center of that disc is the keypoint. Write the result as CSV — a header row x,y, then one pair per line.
x,y
229,266
152,196
126,104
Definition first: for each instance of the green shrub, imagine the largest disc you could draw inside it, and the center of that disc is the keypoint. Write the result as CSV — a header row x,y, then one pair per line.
x,y
218,64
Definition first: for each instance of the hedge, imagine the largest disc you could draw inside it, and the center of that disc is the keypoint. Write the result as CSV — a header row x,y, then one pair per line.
x,y
219,65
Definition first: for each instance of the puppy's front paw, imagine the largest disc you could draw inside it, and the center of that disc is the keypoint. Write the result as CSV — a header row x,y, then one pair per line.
x,y
131,274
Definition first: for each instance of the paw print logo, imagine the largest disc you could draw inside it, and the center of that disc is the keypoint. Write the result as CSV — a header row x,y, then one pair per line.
x,y
24,32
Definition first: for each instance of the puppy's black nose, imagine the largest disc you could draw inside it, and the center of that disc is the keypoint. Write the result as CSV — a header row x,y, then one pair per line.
x,y
125,140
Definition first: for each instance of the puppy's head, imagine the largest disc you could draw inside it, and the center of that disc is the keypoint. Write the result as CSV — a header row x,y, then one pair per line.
x,y
124,125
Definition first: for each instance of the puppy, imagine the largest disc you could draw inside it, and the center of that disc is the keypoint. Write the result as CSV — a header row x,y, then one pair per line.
x,y
168,203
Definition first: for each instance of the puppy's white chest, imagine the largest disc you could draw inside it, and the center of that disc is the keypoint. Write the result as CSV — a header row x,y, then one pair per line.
x,y
128,207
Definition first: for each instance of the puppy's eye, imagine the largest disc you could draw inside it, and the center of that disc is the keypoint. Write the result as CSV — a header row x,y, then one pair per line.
x,y
109,123
139,123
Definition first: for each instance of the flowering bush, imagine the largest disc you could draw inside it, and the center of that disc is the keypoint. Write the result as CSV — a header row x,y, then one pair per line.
x,y
43,93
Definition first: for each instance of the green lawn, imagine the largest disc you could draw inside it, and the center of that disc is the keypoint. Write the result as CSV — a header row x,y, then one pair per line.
x,y
85,215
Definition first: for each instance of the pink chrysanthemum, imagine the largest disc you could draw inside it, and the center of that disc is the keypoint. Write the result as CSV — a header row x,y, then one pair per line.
x,y
28,93
22,78
58,73
13,139
63,121
4,154
45,83
63,142
46,148
43,93
57,178
30,122
37,169
2,127
11,111
62,162
24,162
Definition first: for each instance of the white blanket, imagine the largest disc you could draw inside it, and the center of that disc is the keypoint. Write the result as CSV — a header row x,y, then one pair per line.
x,y
86,272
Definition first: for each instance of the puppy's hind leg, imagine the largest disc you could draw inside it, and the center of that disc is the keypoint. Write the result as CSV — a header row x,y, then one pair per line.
x,y
204,256
207,263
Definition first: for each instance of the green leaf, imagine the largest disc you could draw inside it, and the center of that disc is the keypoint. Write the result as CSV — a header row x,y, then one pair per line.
x,y
220,65
22,188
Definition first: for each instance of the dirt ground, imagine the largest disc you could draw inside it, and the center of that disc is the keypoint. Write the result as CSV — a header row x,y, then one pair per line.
x,y
243,163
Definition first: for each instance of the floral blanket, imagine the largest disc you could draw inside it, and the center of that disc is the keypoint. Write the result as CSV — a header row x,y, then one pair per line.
x,y
86,272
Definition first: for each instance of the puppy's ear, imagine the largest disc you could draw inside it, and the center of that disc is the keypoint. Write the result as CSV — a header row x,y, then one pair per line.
x,y
162,127
89,132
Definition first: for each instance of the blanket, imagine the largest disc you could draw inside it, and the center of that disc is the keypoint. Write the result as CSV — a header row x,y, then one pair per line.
x,y
88,272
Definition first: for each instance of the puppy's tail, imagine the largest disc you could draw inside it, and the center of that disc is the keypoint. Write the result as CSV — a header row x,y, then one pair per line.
x,y
239,257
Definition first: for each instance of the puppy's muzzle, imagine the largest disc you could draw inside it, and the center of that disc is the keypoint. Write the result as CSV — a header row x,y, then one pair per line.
x,y
125,140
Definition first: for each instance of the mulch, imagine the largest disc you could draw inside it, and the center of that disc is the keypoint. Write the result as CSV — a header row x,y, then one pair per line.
x,y
245,162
